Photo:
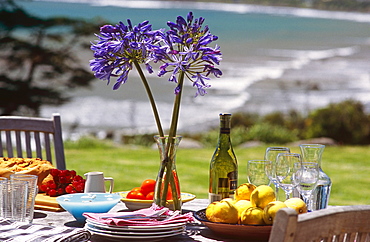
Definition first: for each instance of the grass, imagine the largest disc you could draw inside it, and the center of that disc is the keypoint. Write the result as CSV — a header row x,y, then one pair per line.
x,y
348,167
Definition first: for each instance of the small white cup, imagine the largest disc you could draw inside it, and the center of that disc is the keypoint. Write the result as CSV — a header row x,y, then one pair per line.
x,y
95,182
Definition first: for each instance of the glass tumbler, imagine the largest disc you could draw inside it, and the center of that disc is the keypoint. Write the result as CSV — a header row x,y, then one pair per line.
x,y
258,172
32,192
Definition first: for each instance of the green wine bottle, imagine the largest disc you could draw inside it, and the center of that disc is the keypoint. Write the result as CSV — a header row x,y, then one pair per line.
x,y
223,172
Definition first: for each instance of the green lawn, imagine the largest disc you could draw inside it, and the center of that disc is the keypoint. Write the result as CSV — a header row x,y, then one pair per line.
x,y
348,167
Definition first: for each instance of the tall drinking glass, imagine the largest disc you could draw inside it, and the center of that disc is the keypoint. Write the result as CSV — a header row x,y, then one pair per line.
x,y
305,178
3,196
271,154
285,169
32,192
257,171
15,200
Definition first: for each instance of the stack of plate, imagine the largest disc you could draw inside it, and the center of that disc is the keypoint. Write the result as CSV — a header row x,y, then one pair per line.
x,y
135,232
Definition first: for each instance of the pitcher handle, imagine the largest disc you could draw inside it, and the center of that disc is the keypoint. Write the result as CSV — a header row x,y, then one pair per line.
x,y
110,179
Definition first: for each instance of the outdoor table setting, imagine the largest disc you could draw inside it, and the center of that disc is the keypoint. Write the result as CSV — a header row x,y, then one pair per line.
x,y
92,212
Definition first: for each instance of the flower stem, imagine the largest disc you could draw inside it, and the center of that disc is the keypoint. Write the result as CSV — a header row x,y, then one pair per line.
x,y
151,98
172,135
176,107
163,181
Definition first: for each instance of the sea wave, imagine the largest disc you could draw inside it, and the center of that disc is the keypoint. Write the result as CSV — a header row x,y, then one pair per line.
x,y
227,7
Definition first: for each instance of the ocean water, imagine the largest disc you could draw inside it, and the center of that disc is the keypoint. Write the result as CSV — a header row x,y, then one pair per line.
x,y
274,59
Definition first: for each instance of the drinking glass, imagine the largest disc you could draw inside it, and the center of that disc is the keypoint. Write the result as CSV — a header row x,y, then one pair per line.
x,y
285,169
15,200
32,192
3,196
270,154
257,172
305,178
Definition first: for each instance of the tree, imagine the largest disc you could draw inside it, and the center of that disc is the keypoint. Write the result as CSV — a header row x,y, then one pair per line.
x,y
38,60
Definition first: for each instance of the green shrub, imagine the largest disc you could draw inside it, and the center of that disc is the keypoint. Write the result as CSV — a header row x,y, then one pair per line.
x,y
344,122
138,139
244,119
268,133
88,142
210,138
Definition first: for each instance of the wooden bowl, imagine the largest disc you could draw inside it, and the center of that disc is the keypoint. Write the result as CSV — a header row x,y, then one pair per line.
x,y
238,231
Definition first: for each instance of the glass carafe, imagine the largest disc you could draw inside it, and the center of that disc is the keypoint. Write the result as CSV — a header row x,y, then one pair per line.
x,y
313,153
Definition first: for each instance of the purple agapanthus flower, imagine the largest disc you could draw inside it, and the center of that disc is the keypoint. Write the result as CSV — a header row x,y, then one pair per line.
x,y
183,52
119,47
185,48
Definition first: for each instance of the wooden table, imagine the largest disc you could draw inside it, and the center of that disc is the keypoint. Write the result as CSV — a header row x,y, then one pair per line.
x,y
194,231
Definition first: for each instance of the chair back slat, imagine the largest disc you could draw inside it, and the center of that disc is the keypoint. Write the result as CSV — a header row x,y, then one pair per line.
x,y
28,144
58,143
342,223
18,143
33,134
9,143
47,147
38,145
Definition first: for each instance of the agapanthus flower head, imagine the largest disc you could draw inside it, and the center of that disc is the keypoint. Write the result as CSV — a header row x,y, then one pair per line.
x,y
119,47
185,48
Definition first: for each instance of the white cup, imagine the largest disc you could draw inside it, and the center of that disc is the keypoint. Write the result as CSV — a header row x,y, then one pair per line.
x,y
95,182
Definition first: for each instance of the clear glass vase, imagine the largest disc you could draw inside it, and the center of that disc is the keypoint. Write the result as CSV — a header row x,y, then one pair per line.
x,y
167,182
313,153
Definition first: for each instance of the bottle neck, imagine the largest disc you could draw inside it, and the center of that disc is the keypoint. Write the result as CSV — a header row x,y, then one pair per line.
x,y
224,137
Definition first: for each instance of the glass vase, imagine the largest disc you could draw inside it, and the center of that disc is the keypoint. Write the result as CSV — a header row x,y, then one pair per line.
x,y
167,182
313,153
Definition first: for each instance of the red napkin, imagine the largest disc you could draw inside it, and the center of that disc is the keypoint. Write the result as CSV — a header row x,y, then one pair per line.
x,y
143,217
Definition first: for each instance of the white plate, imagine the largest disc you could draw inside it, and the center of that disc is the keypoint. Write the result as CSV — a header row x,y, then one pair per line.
x,y
136,228
139,236
93,228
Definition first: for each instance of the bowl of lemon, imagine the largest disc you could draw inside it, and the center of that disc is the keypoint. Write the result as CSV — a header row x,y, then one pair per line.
x,y
250,214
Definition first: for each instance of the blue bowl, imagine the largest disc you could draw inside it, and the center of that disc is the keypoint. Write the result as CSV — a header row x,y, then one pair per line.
x,y
79,203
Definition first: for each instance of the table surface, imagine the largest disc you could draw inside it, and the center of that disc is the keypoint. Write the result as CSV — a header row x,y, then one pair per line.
x,y
194,231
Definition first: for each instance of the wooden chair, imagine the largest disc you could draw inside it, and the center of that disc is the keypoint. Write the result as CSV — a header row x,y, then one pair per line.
x,y
342,223
34,134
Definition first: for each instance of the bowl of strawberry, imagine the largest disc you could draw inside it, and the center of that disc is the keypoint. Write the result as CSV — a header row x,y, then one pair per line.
x,y
142,196
61,182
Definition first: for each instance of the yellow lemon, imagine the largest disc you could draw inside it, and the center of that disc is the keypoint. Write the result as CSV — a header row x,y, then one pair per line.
x,y
261,196
297,204
242,205
230,200
222,211
243,192
270,211
252,215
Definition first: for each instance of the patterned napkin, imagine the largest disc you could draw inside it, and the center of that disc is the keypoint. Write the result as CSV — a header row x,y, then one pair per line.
x,y
25,232
143,217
